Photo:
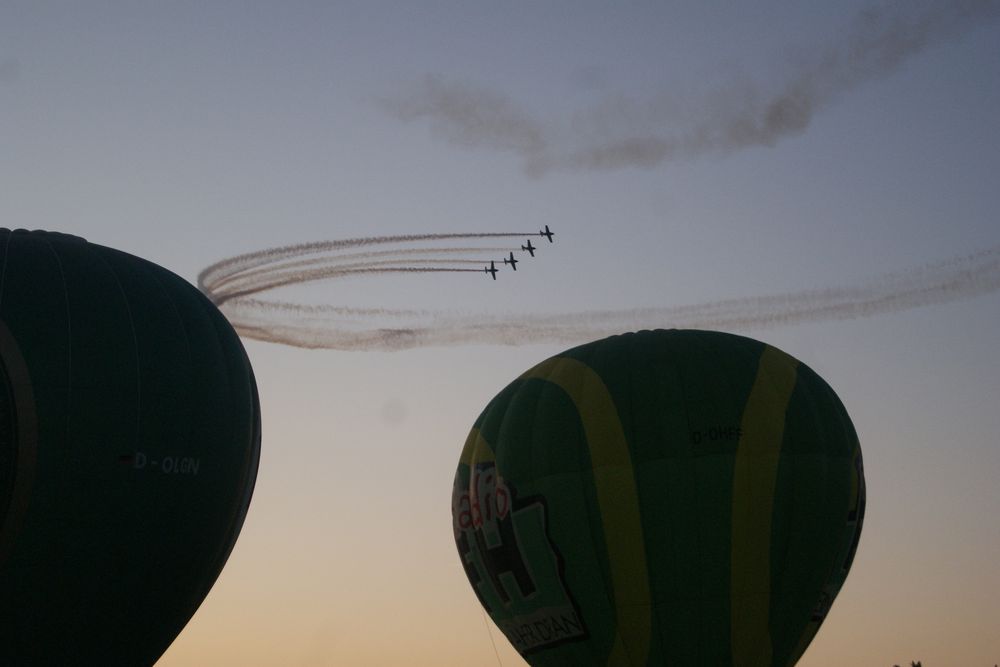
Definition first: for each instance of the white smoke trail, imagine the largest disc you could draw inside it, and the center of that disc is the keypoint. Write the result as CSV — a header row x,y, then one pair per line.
x,y
248,274
211,275
221,284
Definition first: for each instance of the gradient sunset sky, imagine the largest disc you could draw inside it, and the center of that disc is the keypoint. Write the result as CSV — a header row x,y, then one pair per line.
x,y
684,153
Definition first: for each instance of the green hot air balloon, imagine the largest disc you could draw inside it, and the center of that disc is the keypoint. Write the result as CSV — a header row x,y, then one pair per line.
x,y
660,498
129,443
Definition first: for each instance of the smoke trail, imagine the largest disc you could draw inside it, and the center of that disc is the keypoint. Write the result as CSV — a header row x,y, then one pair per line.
x,y
248,274
211,275
647,133
298,278
373,328
220,284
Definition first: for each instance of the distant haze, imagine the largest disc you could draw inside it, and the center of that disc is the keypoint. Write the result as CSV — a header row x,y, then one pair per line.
x,y
10,70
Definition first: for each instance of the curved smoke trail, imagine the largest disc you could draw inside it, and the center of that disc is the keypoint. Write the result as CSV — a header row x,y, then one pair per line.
x,y
224,283
345,328
222,269
248,274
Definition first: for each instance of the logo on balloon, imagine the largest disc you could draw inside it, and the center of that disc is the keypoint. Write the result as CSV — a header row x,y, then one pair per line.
x,y
498,535
487,500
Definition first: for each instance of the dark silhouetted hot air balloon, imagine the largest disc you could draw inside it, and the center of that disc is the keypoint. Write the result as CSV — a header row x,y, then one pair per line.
x,y
661,498
129,443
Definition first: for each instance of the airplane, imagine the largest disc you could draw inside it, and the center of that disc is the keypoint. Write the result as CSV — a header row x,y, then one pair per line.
x,y
511,261
530,248
491,269
547,233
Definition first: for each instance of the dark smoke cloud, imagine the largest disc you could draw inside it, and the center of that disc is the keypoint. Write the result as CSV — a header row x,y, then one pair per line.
x,y
623,133
373,328
470,116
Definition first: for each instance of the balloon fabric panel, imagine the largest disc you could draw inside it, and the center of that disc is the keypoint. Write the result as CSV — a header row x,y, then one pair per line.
x,y
148,440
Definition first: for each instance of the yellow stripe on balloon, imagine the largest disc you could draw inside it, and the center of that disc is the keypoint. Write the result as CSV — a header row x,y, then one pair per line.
x,y
618,498
476,449
754,476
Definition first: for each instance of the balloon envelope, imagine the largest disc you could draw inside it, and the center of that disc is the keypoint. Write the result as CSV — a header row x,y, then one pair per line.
x,y
129,443
660,498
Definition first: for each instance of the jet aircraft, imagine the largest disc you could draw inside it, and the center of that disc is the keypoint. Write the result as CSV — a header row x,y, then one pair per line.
x,y
511,261
529,248
547,233
491,269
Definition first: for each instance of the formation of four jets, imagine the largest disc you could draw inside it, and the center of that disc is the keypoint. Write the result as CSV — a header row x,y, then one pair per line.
x,y
492,268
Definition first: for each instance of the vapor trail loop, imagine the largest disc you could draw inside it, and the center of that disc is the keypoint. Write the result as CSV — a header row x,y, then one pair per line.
x,y
235,285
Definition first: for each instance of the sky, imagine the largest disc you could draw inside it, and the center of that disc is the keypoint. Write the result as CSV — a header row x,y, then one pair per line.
x,y
691,157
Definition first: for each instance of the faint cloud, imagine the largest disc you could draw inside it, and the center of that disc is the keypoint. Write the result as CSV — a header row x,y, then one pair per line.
x,y
589,78
10,70
393,412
